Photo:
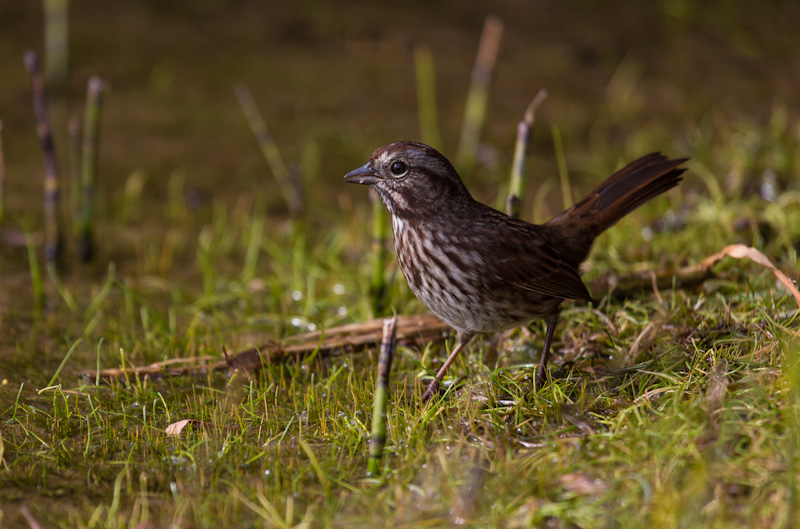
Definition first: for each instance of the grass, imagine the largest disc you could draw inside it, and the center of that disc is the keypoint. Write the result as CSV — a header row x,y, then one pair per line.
x,y
698,430
697,427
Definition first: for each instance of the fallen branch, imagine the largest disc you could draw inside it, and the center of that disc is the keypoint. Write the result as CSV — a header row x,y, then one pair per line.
x,y
420,328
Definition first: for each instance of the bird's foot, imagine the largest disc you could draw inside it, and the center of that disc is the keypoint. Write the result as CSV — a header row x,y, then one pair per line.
x,y
433,388
541,378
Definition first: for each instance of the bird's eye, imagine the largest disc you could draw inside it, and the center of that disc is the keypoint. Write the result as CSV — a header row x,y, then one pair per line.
x,y
398,168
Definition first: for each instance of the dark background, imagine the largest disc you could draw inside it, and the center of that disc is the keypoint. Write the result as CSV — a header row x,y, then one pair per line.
x,y
336,79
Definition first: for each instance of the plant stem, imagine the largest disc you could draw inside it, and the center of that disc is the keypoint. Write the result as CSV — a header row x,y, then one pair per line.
x,y
74,159
377,286
558,145
524,129
53,236
94,100
377,439
290,188
478,95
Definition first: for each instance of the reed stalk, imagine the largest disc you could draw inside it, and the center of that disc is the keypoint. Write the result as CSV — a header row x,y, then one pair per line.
x,y
380,255
478,95
52,228
377,438
74,162
91,127
524,129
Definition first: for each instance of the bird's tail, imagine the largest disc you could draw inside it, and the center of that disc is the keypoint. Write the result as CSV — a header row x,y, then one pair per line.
x,y
621,193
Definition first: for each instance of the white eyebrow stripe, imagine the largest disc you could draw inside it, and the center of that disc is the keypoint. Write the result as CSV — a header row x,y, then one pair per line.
x,y
383,158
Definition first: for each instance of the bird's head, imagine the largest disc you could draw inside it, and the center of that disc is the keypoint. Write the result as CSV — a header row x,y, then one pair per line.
x,y
411,178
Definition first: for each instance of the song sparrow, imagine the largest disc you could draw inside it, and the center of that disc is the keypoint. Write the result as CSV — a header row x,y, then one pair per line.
x,y
481,270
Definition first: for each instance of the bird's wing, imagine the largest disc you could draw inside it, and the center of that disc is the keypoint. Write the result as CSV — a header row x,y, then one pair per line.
x,y
528,261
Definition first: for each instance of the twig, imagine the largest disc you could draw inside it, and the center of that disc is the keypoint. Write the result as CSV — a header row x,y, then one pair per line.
x,y
478,96
524,129
53,236
421,328
377,439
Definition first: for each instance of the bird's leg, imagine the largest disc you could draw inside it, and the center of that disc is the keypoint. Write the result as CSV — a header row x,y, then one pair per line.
x,y
433,387
541,373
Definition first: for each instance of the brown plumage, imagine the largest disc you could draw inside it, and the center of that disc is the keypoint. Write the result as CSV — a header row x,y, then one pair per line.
x,y
480,270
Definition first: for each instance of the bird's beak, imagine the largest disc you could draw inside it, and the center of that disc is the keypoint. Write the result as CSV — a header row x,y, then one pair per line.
x,y
363,175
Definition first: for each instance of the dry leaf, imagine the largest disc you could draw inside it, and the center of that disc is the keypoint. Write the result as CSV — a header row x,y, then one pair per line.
x,y
582,484
177,427
29,517
740,251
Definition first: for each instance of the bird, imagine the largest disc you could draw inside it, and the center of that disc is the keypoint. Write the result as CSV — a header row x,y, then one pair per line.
x,y
480,270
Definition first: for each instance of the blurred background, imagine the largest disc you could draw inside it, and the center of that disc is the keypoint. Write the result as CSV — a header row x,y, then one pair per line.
x,y
334,80
197,253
